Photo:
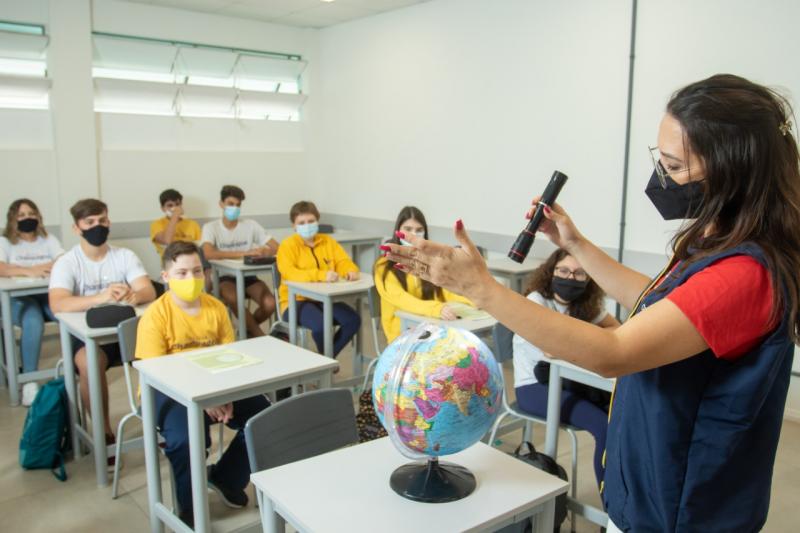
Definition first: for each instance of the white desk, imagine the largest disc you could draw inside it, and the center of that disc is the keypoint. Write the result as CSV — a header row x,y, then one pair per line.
x,y
187,383
327,293
508,491
514,272
478,327
237,269
13,288
75,324
559,370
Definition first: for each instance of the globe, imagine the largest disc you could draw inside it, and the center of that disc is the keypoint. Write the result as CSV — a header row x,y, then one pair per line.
x,y
437,390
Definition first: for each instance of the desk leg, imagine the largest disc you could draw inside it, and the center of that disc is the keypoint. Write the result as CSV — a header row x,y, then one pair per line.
x,y
326,381
271,522
151,455
197,456
544,520
215,281
11,356
327,324
240,305
553,411
69,383
98,414
292,316
276,286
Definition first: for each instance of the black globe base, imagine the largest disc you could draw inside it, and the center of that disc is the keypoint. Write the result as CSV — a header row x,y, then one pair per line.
x,y
432,482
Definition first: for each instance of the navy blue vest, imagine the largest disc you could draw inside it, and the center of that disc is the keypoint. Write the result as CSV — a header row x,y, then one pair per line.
x,y
691,445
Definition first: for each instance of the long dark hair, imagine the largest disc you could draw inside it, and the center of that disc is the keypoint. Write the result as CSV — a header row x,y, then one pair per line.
x,y
742,133
11,233
585,308
429,290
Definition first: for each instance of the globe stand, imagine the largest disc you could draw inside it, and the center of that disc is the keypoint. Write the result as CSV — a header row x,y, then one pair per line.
x,y
432,482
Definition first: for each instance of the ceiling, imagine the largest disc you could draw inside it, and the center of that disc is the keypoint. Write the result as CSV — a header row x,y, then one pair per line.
x,y
300,13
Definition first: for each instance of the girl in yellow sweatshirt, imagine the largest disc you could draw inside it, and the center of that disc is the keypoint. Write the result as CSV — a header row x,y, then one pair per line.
x,y
405,292
314,257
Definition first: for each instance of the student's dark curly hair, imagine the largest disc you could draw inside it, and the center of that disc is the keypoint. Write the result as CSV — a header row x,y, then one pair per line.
x,y
586,308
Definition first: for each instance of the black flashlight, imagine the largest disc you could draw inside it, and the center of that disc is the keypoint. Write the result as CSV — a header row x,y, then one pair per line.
x,y
521,247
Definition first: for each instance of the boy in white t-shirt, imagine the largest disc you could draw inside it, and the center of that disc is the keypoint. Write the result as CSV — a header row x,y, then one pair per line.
x,y
94,273
27,250
231,238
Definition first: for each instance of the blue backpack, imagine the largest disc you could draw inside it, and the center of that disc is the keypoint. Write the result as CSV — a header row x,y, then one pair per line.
x,y
45,435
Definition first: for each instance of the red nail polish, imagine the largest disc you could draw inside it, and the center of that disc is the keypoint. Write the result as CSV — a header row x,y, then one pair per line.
x,y
398,266
400,234
459,224
385,248
547,210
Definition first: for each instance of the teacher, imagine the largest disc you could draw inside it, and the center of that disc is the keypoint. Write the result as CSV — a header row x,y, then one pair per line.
x,y
704,361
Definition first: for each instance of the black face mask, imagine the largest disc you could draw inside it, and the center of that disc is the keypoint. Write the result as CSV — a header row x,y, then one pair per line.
x,y
568,289
96,235
676,201
27,225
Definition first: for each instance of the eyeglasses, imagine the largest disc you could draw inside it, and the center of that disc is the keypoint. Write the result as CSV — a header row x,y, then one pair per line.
x,y
661,172
577,275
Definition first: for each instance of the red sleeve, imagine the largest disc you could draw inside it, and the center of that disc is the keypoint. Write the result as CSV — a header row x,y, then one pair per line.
x,y
729,303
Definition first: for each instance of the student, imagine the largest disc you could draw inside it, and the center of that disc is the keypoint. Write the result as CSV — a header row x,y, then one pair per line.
x,y
182,319
94,273
310,256
562,285
173,226
231,238
405,292
26,249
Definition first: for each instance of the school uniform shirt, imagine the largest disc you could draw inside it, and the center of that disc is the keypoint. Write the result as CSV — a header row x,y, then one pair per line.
x,y
247,234
30,253
526,355
299,262
81,276
395,298
186,230
165,328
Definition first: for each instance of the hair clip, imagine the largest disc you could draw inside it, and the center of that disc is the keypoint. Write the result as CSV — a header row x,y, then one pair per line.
x,y
785,127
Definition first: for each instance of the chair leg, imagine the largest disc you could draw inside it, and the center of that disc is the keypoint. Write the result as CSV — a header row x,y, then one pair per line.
x,y
496,426
574,439
118,453
221,443
527,432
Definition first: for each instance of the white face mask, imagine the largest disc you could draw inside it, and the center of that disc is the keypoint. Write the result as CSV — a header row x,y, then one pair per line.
x,y
168,212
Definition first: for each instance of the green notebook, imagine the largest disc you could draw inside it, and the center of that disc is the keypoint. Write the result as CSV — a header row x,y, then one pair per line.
x,y
221,360
467,312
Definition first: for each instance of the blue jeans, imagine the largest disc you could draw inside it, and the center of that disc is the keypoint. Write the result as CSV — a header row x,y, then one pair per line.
x,y
575,411
309,315
233,470
30,313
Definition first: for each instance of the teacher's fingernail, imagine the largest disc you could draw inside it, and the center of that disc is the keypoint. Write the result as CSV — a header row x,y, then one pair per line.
x,y
398,266
547,210
459,224
400,234
384,248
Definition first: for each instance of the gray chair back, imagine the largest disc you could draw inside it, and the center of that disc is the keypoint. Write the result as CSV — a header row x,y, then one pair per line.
x,y
300,427
503,343
126,331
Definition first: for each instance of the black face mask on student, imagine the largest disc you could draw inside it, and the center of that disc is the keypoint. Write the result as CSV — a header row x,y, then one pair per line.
x,y
96,235
676,201
27,225
567,289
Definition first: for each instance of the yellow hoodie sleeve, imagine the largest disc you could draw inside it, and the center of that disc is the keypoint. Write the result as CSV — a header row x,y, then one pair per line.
x,y
288,259
393,292
341,261
453,297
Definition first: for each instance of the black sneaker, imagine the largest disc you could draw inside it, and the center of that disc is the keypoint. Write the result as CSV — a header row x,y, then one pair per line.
x,y
233,498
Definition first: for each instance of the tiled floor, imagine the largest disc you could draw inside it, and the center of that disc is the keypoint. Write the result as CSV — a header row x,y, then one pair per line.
x,y
34,501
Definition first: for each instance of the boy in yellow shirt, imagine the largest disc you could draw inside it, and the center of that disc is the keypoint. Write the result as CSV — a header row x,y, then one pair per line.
x,y
311,256
173,226
182,319
405,292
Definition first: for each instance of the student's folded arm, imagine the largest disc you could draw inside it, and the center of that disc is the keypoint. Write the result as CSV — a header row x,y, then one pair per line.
x,y
391,291
211,252
287,266
63,301
7,270
453,297
143,287
343,264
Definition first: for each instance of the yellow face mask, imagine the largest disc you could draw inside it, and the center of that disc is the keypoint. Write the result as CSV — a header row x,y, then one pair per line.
x,y
188,289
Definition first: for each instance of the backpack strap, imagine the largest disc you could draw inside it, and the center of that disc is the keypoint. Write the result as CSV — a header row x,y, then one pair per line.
x,y
58,469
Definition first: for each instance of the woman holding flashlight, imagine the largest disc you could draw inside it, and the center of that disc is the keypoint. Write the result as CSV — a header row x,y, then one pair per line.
x,y
704,361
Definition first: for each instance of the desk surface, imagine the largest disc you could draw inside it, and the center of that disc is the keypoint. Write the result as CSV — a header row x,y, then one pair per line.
x,y
238,264
16,283
359,475
76,322
586,376
185,380
339,288
505,265
463,323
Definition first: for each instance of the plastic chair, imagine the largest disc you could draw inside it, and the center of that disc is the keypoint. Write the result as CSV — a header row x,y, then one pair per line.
x,y
504,350
300,427
126,332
